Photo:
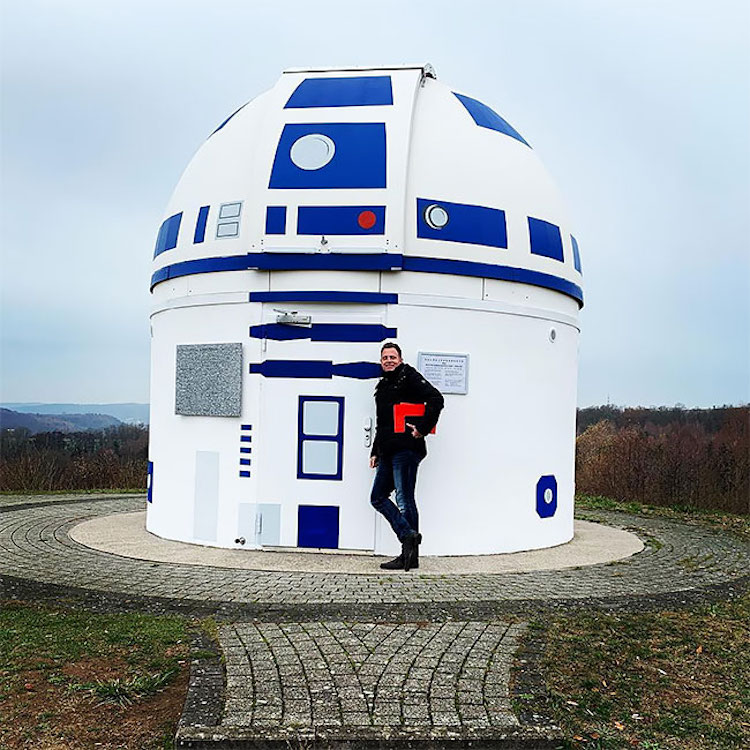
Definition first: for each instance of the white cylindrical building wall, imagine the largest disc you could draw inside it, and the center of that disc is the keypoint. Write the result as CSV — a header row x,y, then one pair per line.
x,y
341,209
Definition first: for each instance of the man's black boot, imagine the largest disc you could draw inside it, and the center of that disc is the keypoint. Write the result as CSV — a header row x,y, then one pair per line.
x,y
411,551
396,564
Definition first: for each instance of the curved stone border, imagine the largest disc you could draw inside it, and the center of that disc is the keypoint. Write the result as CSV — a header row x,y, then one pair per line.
x,y
125,534
681,564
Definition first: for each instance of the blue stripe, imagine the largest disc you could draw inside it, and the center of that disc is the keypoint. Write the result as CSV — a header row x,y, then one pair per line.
x,y
358,160
244,462
491,271
358,91
362,262
246,427
246,439
246,450
338,220
363,332
478,225
374,298
318,369
229,118
486,117
244,473
200,225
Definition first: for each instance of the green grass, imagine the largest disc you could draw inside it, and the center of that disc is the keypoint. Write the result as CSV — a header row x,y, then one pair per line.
x,y
654,681
727,521
33,638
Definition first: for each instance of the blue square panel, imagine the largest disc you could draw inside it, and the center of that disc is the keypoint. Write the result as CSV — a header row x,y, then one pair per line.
x,y
318,526
545,239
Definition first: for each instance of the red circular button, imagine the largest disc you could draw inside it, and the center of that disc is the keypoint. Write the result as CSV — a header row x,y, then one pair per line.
x,y
367,219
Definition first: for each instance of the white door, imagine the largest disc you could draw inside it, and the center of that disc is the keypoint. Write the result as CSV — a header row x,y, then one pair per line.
x,y
317,420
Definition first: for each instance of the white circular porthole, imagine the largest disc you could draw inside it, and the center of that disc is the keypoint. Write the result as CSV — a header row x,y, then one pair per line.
x,y
436,216
548,496
312,151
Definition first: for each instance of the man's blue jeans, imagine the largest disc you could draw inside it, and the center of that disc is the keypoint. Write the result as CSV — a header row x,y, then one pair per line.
x,y
398,472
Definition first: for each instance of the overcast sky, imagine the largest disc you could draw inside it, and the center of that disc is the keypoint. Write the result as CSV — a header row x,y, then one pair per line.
x,y
640,110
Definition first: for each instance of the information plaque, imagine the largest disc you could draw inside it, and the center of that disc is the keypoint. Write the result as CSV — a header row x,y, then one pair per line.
x,y
449,373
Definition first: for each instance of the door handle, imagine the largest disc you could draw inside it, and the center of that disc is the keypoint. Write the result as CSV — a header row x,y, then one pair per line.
x,y
368,431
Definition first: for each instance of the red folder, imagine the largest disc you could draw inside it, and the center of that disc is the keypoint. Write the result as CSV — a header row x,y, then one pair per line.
x,y
402,411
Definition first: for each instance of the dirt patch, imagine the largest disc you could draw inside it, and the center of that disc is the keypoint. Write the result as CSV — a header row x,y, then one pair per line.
x,y
45,716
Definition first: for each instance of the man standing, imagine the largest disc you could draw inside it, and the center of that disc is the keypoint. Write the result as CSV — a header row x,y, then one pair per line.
x,y
397,454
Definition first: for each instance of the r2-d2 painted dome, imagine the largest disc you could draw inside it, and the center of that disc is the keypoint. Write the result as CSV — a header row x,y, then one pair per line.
x,y
340,209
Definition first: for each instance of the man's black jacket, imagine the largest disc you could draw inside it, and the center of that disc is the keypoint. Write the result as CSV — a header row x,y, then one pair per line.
x,y
404,385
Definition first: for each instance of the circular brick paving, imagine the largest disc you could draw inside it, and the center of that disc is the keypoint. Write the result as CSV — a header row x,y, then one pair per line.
x,y
681,562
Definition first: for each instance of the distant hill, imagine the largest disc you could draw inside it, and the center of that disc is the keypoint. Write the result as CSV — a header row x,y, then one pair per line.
x,y
130,413
10,419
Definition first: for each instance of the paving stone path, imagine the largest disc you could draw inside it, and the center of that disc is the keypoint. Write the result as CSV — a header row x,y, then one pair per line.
x,y
369,661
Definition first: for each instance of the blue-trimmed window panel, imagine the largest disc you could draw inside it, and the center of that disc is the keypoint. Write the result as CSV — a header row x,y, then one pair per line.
x,y
486,117
356,91
200,225
168,233
366,332
228,221
545,239
276,220
461,222
318,526
320,437
150,482
372,298
341,220
576,254
358,159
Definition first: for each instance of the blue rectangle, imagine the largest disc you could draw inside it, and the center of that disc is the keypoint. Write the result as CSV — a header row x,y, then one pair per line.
x,y
168,233
246,427
478,225
276,220
372,298
200,225
246,450
150,482
245,474
545,239
246,439
372,332
358,161
486,117
244,462
340,220
318,526
355,91
576,254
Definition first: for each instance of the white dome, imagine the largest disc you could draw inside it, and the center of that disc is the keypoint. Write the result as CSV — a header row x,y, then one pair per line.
x,y
345,170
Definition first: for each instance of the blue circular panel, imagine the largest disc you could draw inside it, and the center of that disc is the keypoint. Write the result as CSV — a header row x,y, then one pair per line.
x,y
546,496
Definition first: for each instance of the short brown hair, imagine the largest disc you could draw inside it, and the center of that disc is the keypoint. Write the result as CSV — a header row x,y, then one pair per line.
x,y
391,345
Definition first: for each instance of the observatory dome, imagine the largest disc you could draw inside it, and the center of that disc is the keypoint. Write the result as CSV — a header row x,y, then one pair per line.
x,y
390,164
341,209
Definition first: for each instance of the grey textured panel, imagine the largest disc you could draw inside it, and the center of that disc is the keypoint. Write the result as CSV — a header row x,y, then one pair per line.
x,y
206,508
208,380
269,526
